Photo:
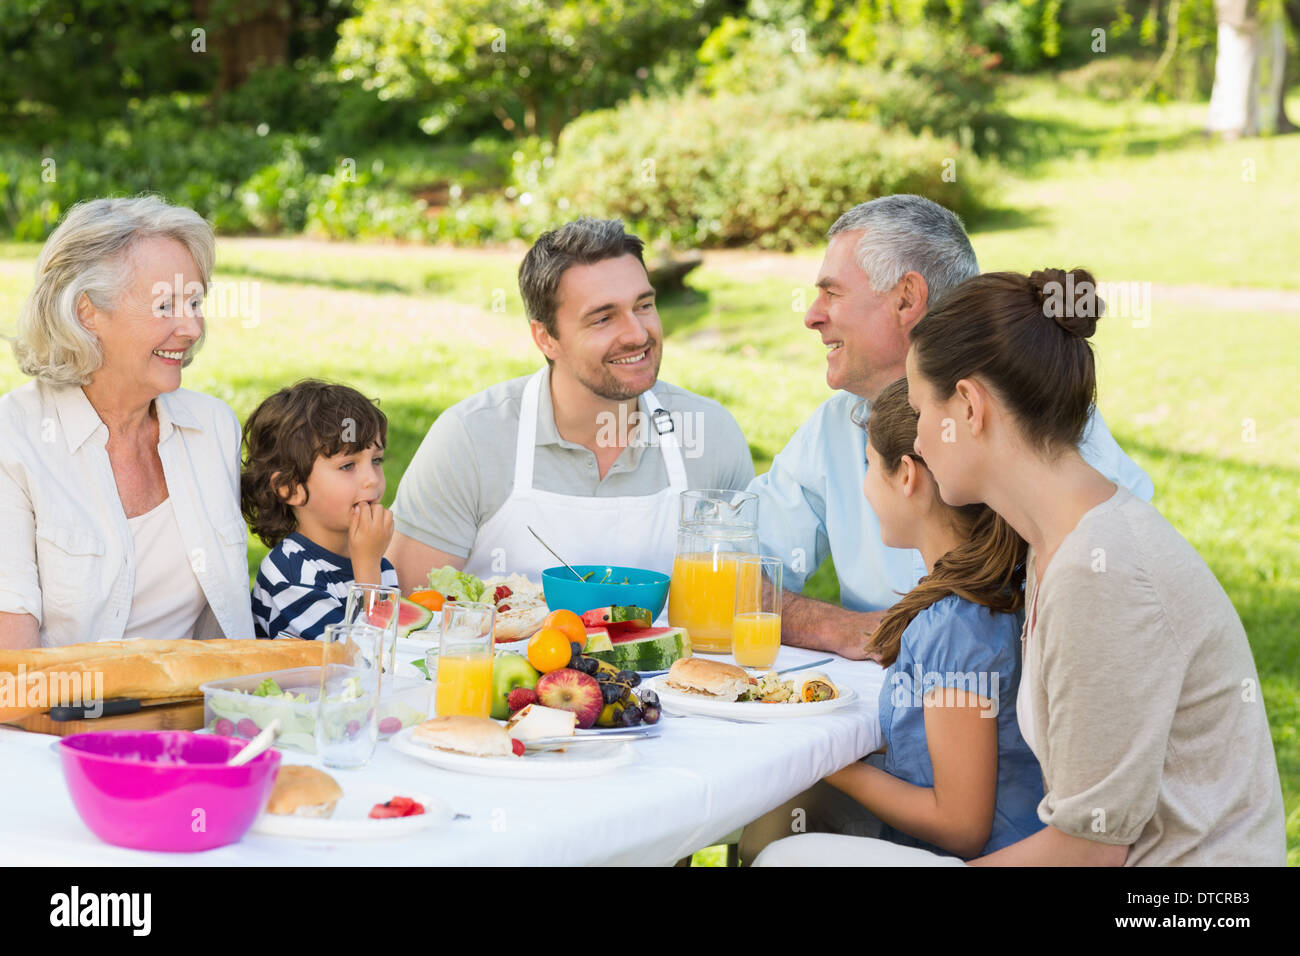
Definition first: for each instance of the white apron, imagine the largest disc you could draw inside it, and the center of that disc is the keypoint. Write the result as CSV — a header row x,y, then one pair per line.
x,y
638,531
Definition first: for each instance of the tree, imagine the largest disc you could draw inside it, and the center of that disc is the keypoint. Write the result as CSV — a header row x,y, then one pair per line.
x,y
533,64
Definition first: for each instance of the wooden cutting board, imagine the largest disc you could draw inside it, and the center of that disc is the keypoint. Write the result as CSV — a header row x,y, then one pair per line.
x,y
177,713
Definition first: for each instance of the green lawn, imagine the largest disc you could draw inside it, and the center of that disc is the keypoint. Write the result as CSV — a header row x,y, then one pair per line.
x,y
1203,396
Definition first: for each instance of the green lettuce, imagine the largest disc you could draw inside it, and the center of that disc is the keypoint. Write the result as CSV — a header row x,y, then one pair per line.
x,y
450,583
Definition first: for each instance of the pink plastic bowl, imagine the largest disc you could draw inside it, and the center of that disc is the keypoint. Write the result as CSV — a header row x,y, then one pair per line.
x,y
165,789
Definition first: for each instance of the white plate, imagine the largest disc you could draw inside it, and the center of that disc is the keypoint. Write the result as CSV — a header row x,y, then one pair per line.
x,y
351,818
697,705
590,761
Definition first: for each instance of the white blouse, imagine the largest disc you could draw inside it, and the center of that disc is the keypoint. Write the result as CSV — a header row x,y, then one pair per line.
x,y
68,556
167,600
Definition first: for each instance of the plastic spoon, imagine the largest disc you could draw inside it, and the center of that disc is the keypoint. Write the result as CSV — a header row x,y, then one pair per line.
x,y
255,746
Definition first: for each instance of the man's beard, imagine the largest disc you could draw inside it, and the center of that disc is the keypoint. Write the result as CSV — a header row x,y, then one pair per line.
x,y
605,384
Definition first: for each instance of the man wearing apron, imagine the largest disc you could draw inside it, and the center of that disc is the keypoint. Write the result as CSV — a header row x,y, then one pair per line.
x,y
591,451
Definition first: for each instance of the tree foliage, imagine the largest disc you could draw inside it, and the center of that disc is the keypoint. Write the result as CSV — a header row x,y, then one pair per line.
x,y
533,64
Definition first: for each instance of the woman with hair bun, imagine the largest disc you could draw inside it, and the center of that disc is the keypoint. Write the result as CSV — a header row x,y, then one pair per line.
x,y
1139,694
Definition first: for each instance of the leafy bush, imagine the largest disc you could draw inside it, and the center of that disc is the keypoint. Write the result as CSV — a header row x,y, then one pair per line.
x,y
729,171
907,77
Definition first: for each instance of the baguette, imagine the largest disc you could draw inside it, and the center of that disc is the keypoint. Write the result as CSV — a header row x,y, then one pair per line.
x,y
152,673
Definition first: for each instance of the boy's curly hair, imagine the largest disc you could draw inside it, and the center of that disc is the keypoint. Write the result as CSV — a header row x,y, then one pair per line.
x,y
286,434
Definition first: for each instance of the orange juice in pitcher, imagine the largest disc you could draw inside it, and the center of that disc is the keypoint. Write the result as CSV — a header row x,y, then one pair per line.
x,y
702,599
713,529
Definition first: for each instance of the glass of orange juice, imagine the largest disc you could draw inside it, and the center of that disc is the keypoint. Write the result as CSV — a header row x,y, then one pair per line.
x,y
756,627
465,649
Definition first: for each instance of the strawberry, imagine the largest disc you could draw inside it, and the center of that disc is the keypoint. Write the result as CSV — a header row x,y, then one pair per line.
x,y
517,746
503,607
519,698
500,594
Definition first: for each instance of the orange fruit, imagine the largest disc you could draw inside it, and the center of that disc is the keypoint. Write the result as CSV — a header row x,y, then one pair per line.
x,y
427,599
548,650
568,623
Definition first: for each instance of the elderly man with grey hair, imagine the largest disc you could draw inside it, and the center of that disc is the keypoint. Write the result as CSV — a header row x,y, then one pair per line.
x,y
888,259
119,490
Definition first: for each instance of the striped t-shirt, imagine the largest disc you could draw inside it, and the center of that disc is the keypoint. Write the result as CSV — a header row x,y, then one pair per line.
x,y
301,588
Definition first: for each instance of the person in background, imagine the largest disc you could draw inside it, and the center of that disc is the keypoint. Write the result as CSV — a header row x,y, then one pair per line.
x,y
889,260
312,484
119,490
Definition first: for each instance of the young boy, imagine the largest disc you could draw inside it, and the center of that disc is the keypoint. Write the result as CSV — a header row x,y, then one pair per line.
x,y
312,481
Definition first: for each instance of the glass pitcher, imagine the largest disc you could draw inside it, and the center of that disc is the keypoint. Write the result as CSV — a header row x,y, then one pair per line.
x,y
713,527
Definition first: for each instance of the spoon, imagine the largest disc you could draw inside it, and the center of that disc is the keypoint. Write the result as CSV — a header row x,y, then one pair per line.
x,y
552,550
255,746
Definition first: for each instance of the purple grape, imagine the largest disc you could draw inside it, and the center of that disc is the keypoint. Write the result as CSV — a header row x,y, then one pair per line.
x,y
246,728
390,725
224,728
352,728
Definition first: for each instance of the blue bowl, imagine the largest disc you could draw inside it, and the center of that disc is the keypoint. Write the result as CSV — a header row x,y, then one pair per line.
x,y
647,589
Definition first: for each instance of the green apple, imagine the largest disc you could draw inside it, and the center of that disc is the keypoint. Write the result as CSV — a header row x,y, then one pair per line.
x,y
508,672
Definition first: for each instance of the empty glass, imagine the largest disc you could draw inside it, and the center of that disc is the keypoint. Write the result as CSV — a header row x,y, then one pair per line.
x,y
347,710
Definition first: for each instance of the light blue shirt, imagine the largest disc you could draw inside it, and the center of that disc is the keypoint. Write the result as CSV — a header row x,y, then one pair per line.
x,y
810,504
955,643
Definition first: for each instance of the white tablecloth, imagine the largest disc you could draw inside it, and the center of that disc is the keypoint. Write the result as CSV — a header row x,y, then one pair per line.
x,y
698,781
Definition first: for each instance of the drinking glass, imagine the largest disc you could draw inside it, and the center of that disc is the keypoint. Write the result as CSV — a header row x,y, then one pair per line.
x,y
465,648
347,710
379,607
756,627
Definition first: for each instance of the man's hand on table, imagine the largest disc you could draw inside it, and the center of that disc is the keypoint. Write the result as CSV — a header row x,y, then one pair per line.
x,y
821,626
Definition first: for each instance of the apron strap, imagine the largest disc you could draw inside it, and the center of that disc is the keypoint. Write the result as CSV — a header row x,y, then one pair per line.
x,y
526,436
671,445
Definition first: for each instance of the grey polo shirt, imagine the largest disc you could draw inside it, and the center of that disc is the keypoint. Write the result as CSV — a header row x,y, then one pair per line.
x,y
464,469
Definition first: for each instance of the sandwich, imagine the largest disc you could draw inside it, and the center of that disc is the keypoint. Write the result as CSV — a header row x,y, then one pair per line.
x,y
303,792
475,736
697,675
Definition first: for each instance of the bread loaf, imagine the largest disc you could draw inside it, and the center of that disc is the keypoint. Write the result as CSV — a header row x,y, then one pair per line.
x,y
149,670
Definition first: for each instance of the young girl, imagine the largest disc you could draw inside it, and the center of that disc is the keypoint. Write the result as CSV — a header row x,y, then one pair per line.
x,y
1140,696
312,481
957,777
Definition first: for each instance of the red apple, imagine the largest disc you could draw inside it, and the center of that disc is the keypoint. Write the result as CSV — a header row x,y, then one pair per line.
x,y
567,689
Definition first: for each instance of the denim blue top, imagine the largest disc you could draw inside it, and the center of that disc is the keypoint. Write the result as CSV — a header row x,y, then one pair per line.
x,y
957,643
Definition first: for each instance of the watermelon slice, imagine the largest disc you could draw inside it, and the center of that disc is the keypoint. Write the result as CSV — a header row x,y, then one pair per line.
x,y
618,619
647,649
410,617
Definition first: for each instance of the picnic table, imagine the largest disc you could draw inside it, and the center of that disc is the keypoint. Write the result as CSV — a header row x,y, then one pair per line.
x,y
698,781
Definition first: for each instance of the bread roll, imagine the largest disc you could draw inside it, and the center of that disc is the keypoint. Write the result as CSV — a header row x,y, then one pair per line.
x,y
698,675
303,792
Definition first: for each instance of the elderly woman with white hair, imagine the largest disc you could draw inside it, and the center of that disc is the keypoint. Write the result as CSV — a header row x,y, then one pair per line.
x,y
119,490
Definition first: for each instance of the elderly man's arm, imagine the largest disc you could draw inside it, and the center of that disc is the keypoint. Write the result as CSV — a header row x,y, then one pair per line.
x,y
822,626
18,631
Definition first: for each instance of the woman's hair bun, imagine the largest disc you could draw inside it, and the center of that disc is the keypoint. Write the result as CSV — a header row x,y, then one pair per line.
x,y
1069,299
